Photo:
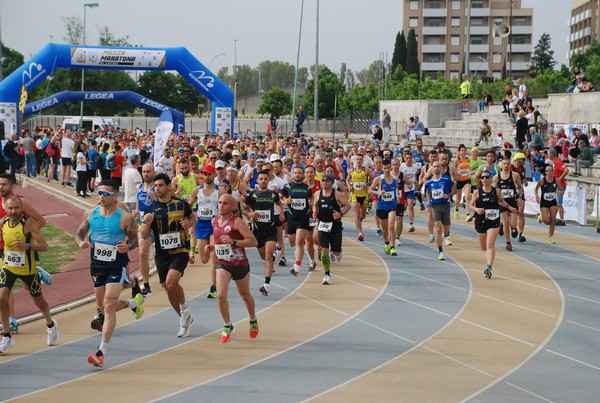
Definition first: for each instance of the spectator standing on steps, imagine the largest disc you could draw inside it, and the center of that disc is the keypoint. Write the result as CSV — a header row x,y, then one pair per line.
x,y
301,116
465,91
386,125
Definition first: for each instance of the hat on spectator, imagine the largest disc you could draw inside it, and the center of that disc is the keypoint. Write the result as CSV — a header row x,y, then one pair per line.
x,y
209,169
274,157
236,152
519,156
220,164
328,178
499,133
252,154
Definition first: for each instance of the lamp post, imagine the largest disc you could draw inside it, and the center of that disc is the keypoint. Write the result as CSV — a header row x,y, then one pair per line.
x,y
85,7
234,76
209,65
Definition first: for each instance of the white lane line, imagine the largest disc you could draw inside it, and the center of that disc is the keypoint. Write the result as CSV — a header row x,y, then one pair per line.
x,y
429,279
516,306
401,250
519,281
419,305
574,360
528,392
497,332
386,331
582,325
322,304
559,254
356,283
464,364
584,299
573,275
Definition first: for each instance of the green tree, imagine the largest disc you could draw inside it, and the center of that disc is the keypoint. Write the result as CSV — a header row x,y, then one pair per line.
x,y
275,102
412,65
372,75
12,60
399,56
591,60
330,88
159,86
542,59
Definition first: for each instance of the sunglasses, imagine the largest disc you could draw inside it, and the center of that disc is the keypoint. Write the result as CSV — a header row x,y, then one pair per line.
x,y
486,177
105,193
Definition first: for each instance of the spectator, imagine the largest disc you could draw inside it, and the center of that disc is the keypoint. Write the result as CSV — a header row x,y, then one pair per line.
x,y
574,81
536,139
386,125
301,116
11,151
506,99
66,150
595,141
377,135
585,159
583,85
486,101
485,131
513,105
81,167
418,129
521,126
347,139
465,91
30,166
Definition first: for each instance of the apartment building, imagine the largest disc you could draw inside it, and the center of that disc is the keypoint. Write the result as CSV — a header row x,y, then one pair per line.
x,y
584,25
448,30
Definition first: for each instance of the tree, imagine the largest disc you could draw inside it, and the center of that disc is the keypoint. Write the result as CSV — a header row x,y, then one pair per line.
x,y
542,59
275,102
330,88
372,75
412,54
12,60
399,56
74,28
108,39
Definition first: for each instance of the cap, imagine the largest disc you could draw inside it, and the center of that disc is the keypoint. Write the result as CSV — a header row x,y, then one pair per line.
x,y
260,160
519,156
274,157
499,133
252,154
328,178
387,152
220,164
236,152
361,148
225,181
474,149
231,167
209,169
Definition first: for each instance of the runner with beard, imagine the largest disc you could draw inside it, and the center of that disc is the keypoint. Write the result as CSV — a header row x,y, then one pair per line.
x,y
145,197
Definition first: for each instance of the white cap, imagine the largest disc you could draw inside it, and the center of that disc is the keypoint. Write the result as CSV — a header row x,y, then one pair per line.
x,y
220,164
274,157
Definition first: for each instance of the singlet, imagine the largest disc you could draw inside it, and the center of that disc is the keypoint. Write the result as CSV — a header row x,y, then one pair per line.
x,y
226,254
463,170
489,202
359,183
549,190
170,237
144,200
264,204
19,262
419,158
316,187
105,234
411,173
520,171
493,170
439,188
344,165
400,194
507,186
327,205
300,193
188,184
475,164
388,201
319,175
207,205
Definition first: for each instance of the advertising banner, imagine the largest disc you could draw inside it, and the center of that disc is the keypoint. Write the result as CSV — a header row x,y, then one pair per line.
x,y
163,131
118,57
568,128
573,203
222,120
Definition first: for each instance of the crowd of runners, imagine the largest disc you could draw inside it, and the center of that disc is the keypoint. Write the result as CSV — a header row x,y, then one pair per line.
x,y
207,199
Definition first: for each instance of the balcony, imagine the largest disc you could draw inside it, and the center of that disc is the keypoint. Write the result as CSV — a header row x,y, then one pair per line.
x,y
479,30
435,31
433,66
518,66
435,12
479,49
479,12
434,48
514,48
522,30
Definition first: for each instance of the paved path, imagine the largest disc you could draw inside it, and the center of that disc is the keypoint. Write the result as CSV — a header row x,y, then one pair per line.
x,y
406,328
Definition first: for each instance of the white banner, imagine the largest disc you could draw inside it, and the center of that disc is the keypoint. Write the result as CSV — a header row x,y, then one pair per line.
x,y
223,120
163,131
568,128
531,207
596,203
573,203
118,57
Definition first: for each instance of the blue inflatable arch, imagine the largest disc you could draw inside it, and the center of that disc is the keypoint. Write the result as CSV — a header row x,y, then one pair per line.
x,y
54,56
146,103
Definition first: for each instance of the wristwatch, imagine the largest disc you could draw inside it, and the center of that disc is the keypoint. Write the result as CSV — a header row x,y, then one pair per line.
x,y
28,246
234,242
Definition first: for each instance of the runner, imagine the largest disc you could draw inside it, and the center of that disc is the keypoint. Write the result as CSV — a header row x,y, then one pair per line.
x,y
22,239
440,189
519,167
182,186
377,171
420,158
433,157
231,237
400,199
358,181
112,233
169,219
474,163
550,186
385,187
485,203
145,196
509,184
410,171
463,167
329,206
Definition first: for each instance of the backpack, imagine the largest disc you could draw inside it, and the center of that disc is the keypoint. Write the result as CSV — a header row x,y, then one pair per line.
x,y
110,162
49,150
99,162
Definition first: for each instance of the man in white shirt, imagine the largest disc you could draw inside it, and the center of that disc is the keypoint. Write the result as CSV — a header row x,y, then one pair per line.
x,y
131,150
131,182
165,163
66,152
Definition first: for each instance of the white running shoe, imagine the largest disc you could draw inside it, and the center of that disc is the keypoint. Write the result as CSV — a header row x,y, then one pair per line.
x,y
441,256
277,255
312,266
397,242
53,334
295,270
264,289
326,280
185,322
447,241
6,344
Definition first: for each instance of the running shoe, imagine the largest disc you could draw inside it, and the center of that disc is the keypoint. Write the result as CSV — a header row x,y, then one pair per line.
x,y
393,251
139,309
456,215
361,236
422,207
264,289
44,276
447,241
326,280
6,344
294,270
97,324
378,231
14,326
522,238
96,359
277,255
441,256
312,266
431,238
331,257
53,334
468,218
488,272
411,228
282,262
338,258
226,334
146,291
501,230
514,233
509,246
397,242
560,223
539,219
212,293
185,322
253,329
387,249
551,240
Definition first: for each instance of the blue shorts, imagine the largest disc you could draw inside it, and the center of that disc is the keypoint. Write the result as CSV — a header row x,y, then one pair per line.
x,y
204,229
110,276
426,202
559,199
410,194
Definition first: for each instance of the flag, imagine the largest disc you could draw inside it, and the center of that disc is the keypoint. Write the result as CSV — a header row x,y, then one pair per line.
x,y
163,131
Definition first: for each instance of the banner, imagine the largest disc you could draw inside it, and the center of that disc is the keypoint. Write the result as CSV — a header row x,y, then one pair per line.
x,y
163,131
573,203
118,57
595,211
568,128
222,120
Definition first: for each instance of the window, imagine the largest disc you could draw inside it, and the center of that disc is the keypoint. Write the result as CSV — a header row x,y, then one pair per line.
x,y
456,5
497,58
413,5
497,41
477,4
455,40
519,21
477,40
435,4
435,40
454,74
433,57
498,20
519,39
477,22
454,58
434,22
456,22
413,22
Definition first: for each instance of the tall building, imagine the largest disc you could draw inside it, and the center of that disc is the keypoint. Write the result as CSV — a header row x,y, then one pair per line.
x,y
584,25
444,40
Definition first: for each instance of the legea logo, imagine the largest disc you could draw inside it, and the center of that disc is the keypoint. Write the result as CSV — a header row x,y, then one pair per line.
x,y
34,71
199,75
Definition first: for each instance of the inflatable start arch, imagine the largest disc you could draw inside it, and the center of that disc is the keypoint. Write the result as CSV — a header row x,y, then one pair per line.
x,y
14,88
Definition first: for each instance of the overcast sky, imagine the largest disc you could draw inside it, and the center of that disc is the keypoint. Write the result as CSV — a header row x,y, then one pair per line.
x,y
352,31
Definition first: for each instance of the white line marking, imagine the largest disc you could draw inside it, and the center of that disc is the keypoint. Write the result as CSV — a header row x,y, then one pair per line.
x,y
356,282
458,361
322,304
497,332
584,299
515,305
573,275
386,331
528,392
429,279
419,305
519,281
574,360
579,324
401,250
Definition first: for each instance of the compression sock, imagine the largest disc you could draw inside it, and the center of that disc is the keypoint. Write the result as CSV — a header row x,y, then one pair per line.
x,y
326,262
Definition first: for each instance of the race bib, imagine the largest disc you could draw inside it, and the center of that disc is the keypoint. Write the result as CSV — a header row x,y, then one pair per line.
x,y
464,172
105,253
170,241
550,196
507,193
205,212
387,196
14,258
141,217
492,214
399,193
224,251
298,204
264,216
437,194
359,185
313,222
325,226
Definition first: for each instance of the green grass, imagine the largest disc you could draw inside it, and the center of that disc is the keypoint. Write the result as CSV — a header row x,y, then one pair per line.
x,y
62,249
